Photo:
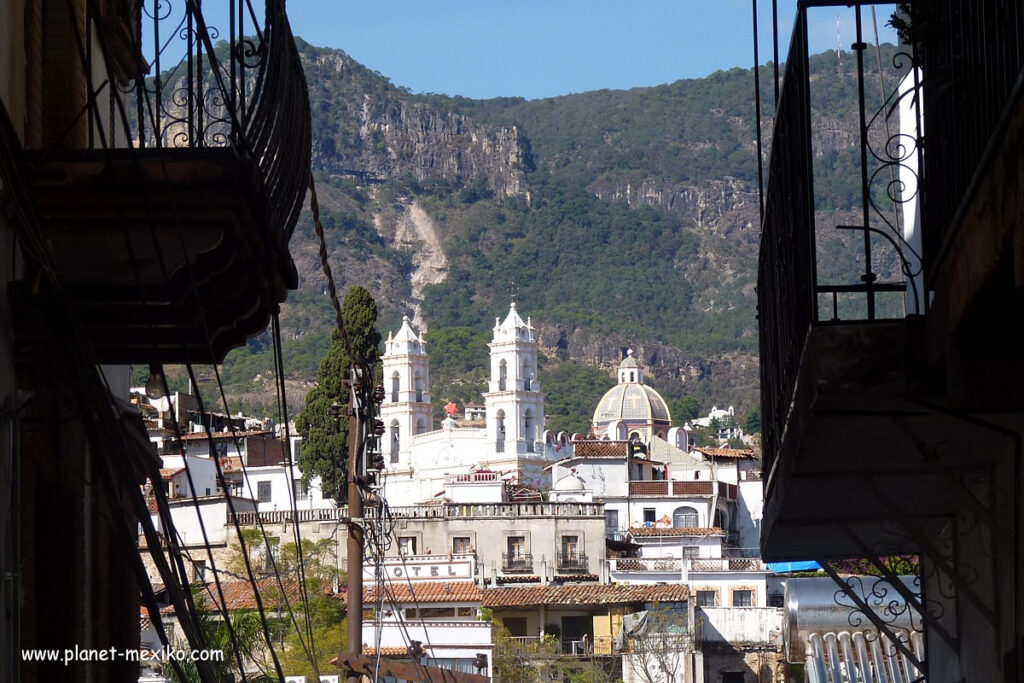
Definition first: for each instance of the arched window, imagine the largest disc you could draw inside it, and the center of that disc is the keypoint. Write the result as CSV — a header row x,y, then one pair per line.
x,y
499,445
419,388
394,387
420,426
526,375
528,430
685,517
502,375
632,376
394,441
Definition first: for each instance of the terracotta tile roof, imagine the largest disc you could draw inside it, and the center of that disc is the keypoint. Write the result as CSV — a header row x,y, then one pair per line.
x,y
427,591
200,436
600,449
582,594
642,531
389,651
726,452
170,472
239,594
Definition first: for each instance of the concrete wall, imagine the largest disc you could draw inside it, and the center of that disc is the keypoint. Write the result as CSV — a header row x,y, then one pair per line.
x,y
741,625
281,479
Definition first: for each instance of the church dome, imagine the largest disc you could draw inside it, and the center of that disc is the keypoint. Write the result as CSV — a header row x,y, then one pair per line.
x,y
569,483
631,402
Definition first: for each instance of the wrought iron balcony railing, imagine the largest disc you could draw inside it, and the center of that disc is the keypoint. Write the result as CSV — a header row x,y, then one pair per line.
x,y
169,158
794,294
971,54
946,95
573,563
517,562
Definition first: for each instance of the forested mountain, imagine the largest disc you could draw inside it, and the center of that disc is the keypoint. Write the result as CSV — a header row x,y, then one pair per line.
x,y
615,218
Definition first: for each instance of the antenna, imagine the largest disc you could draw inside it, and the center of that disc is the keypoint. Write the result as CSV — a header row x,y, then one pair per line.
x,y
839,48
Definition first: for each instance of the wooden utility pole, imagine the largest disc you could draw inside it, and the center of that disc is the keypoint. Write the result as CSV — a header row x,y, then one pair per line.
x,y
356,537
362,414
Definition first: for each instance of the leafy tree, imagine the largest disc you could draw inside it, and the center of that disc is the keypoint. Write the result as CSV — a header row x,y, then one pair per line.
x,y
324,448
248,643
517,661
752,423
659,647
685,409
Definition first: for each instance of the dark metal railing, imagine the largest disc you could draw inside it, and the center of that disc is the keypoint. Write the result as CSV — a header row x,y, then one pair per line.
x,y
516,562
874,275
785,278
972,56
572,562
242,87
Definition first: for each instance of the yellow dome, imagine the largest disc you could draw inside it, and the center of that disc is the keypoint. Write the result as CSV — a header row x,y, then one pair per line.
x,y
631,402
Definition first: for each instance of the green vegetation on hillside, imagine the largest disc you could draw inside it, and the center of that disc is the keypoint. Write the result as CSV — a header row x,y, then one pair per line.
x,y
669,275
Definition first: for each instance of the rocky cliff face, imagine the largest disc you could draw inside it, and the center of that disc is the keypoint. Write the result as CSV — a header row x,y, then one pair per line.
x,y
725,205
380,132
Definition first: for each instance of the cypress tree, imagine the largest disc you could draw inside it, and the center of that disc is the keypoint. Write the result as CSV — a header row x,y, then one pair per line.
x,y
324,448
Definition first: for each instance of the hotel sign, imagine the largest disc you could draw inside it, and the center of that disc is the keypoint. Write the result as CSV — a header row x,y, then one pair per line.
x,y
425,568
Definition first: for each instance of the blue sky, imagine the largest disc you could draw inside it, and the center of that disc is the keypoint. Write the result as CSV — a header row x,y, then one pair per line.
x,y
543,48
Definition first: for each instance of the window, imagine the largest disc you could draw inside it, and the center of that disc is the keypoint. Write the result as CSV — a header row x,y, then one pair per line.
x,y
611,520
421,426
516,546
263,491
743,598
207,491
394,441
419,388
516,626
528,430
706,598
500,445
394,388
502,375
691,551
649,516
461,545
407,545
570,545
465,611
301,492
199,570
685,518
221,448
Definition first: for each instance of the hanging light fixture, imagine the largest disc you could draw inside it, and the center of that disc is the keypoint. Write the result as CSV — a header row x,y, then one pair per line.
x,y
156,382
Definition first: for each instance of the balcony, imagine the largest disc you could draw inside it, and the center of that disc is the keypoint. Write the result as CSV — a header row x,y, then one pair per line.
x,y
646,564
517,563
864,362
169,208
675,565
682,489
572,563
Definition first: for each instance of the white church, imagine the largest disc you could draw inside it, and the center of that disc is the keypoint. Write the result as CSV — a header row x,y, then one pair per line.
x,y
512,443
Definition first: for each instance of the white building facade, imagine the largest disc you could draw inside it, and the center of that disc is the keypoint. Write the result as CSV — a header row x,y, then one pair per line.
x,y
512,441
